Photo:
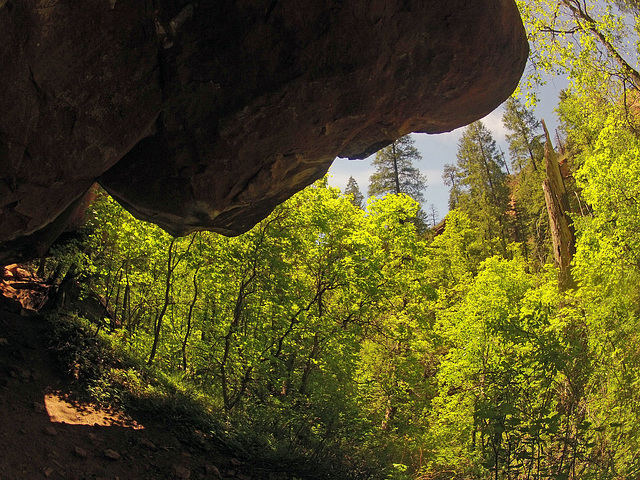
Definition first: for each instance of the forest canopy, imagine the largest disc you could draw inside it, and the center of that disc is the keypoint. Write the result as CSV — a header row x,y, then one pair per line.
x,y
353,338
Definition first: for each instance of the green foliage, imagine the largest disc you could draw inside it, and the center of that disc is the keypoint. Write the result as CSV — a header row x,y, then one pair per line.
x,y
273,321
607,265
102,368
395,172
593,43
77,349
333,341
609,184
479,188
527,198
352,189
525,140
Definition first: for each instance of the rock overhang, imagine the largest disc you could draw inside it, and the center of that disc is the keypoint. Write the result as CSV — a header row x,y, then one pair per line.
x,y
206,115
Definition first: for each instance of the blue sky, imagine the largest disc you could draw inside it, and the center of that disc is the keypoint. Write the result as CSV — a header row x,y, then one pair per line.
x,y
438,150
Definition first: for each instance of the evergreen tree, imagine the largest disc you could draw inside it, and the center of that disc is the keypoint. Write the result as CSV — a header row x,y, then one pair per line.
x,y
525,145
479,185
395,172
451,178
527,156
352,189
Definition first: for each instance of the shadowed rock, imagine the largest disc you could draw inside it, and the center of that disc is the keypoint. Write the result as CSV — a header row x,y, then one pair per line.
x,y
207,115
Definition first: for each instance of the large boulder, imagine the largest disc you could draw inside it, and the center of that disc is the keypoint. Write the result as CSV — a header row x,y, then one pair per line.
x,y
206,115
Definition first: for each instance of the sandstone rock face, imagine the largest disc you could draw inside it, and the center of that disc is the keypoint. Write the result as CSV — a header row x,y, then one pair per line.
x,y
79,87
206,115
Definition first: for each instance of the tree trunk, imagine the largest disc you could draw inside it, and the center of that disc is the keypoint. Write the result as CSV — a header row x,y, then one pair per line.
x,y
63,289
189,319
396,174
557,200
167,297
126,307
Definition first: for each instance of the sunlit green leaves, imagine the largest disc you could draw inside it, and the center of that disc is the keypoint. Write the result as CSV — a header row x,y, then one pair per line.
x,y
591,42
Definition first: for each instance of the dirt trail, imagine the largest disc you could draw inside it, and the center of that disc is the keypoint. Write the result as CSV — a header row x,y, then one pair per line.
x,y
46,433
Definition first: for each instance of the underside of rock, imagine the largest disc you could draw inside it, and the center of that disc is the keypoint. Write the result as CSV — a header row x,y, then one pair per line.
x,y
206,115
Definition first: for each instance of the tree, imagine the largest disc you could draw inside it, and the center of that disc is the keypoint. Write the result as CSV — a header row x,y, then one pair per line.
x,y
557,200
451,178
609,244
587,40
525,147
527,157
607,268
173,260
479,169
356,195
329,333
395,172
478,183
433,215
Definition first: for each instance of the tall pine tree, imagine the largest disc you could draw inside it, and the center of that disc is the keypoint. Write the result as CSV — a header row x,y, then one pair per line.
x,y
525,144
526,149
356,195
478,185
395,172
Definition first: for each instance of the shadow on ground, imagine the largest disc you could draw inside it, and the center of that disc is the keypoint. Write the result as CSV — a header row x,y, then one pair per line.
x,y
48,432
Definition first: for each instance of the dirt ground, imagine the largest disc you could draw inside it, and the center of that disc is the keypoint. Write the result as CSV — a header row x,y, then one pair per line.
x,y
46,433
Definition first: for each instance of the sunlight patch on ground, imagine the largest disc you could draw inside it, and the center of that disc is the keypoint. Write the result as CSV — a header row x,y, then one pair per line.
x,y
62,409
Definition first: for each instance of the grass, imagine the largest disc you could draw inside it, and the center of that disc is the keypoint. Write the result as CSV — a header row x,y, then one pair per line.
x,y
104,372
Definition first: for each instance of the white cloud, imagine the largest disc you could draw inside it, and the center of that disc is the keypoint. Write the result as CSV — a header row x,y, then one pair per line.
x,y
342,169
434,177
493,122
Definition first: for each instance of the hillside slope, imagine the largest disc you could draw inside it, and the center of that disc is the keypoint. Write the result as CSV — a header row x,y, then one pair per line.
x,y
46,431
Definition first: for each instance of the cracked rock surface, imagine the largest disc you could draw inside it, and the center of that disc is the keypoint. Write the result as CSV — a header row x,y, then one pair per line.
x,y
206,115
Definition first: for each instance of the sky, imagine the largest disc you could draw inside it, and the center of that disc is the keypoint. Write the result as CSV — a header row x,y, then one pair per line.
x,y
440,149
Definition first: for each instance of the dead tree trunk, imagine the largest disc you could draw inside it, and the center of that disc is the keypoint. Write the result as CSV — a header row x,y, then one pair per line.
x,y
557,200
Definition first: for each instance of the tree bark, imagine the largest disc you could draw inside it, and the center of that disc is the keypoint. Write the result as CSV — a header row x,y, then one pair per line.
x,y
557,200
396,174
189,319
165,305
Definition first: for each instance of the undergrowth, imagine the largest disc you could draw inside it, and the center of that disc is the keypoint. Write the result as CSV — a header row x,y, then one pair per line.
x,y
104,372
107,374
